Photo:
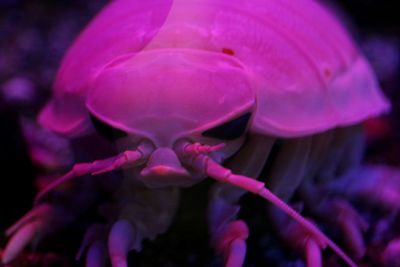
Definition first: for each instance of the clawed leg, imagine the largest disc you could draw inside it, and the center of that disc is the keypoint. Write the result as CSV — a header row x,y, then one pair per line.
x,y
96,255
25,235
228,235
32,227
95,234
94,243
102,242
391,254
351,224
120,241
298,238
305,243
380,186
47,218
313,253
231,242
121,238
136,213
339,214
379,189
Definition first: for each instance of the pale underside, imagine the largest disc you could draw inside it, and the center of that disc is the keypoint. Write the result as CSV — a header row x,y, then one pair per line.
x,y
297,166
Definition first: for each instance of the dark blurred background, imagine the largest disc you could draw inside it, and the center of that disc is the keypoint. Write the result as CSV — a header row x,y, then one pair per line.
x,y
34,35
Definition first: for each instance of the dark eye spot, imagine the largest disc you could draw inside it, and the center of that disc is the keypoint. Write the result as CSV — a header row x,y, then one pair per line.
x,y
107,131
230,130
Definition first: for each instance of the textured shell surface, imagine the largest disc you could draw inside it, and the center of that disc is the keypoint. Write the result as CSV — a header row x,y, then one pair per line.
x,y
290,58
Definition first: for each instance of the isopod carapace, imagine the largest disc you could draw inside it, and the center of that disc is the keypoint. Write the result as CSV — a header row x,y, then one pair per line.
x,y
194,89
300,62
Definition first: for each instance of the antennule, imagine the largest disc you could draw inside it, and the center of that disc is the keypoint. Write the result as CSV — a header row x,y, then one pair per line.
x,y
197,148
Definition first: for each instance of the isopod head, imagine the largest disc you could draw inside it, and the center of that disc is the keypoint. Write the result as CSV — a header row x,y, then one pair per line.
x,y
164,96
167,95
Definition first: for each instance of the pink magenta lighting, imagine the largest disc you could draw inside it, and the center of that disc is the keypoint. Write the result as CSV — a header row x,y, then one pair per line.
x,y
196,89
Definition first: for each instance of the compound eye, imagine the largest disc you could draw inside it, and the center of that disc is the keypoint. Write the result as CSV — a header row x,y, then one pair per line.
x,y
108,132
230,130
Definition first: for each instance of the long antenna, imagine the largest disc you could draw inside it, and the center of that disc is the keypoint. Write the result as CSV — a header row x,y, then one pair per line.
x,y
224,175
